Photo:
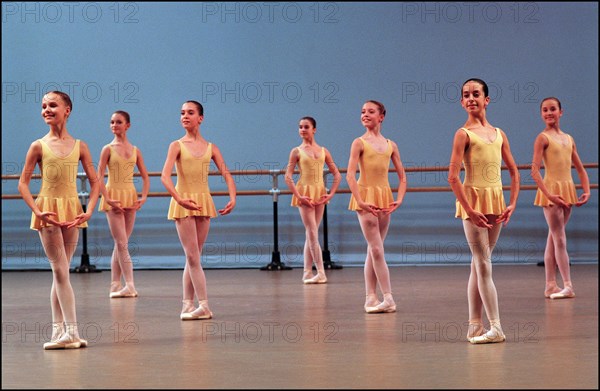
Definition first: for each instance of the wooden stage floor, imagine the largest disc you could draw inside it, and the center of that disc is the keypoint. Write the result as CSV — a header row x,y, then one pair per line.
x,y
271,331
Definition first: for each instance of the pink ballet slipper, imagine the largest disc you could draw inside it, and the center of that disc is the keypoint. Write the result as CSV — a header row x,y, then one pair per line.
x,y
320,278
202,312
125,292
566,293
386,306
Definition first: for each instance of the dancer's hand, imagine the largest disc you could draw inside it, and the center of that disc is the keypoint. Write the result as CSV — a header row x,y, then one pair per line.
x,y
583,199
79,219
505,216
190,204
306,201
324,199
227,209
392,207
374,210
115,204
137,204
558,200
480,220
48,218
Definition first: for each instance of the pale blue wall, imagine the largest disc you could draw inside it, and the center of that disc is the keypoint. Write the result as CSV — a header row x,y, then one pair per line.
x,y
259,67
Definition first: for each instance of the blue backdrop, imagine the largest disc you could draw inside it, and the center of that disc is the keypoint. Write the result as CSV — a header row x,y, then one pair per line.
x,y
259,67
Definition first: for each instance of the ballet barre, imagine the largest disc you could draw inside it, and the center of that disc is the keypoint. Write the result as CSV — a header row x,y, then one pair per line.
x,y
274,192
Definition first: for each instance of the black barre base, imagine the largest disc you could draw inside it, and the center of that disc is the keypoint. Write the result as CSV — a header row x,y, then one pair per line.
x,y
541,263
276,263
328,263
85,266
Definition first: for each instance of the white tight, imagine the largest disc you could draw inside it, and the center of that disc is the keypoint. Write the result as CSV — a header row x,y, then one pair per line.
x,y
311,218
556,245
374,229
121,227
59,245
481,290
193,231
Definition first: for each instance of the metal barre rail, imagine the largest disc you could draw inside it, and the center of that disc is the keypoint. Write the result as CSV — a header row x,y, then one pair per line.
x,y
275,173
276,263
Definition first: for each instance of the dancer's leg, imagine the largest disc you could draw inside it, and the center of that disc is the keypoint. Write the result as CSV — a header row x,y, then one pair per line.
x,y
193,232
481,242
121,226
115,267
307,253
59,245
311,218
372,228
557,219
550,267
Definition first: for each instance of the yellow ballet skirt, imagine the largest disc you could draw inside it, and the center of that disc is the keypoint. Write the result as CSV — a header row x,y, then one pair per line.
x,y
192,183
311,182
557,173
373,185
120,180
483,176
58,191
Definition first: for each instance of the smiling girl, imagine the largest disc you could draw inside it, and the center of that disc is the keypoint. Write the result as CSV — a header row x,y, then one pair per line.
x,y
556,193
481,148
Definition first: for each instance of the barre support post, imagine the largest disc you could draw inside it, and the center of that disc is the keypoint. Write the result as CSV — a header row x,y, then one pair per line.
x,y
327,263
85,266
276,263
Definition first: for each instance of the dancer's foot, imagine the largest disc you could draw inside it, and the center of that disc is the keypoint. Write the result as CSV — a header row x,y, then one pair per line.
x,y
115,286
387,305
188,306
66,341
202,312
307,275
494,335
550,289
320,278
125,292
371,301
476,329
58,328
566,293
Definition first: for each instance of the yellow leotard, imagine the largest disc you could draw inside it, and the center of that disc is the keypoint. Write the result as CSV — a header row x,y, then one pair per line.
x,y
120,180
483,176
311,182
192,183
58,192
373,184
557,173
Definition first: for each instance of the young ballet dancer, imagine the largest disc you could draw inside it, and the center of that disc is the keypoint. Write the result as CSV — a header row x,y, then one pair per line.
x,y
120,201
373,201
480,203
191,204
57,213
310,195
556,193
